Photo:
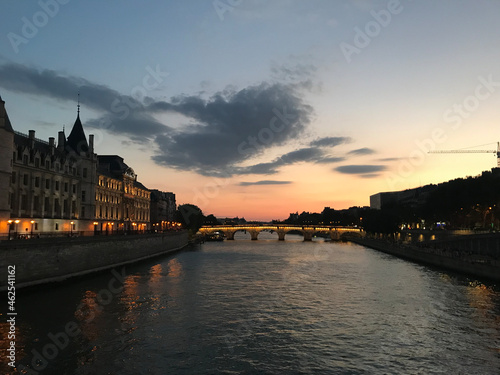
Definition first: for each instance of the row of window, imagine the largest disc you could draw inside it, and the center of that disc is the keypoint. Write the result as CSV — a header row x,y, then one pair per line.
x,y
138,192
100,197
115,185
48,206
107,213
55,184
49,164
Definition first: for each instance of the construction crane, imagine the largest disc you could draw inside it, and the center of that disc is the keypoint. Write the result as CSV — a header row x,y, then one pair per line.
x,y
466,151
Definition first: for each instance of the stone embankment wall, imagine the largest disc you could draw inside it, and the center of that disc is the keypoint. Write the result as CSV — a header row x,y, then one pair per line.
x,y
48,260
479,257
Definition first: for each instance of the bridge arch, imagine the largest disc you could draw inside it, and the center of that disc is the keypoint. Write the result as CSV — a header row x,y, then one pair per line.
x,y
308,232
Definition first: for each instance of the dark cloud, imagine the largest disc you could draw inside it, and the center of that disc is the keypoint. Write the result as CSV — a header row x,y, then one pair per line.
x,y
265,182
330,159
330,141
122,114
224,131
303,154
261,168
362,151
231,127
360,169
307,155
389,159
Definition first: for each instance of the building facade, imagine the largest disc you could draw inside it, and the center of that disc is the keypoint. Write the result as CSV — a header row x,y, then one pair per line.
x,y
50,184
163,208
122,202
6,163
65,188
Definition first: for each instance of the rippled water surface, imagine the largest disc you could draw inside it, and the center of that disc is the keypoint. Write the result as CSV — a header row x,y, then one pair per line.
x,y
264,307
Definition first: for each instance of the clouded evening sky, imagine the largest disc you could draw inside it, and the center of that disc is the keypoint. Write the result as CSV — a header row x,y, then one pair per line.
x,y
260,108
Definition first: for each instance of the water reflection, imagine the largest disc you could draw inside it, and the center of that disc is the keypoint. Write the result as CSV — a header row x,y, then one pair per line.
x,y
174,269
86,313
271,307
155,275
486,311
5,343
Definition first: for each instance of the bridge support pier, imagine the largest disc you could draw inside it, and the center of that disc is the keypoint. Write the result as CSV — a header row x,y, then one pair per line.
x,y
281,235
335,235
308,235
229,235
254,234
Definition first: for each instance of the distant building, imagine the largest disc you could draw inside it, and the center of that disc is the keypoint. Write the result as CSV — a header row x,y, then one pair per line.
x,y
410,197
163,208
381,200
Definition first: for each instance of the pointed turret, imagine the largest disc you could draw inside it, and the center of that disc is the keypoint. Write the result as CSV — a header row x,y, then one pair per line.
x,y
4,118
77,140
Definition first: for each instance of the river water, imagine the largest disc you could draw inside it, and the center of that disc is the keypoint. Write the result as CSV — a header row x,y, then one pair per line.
x,y
262,307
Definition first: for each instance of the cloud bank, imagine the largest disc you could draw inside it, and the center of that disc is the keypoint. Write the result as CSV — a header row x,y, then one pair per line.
x,y
264,182
223,133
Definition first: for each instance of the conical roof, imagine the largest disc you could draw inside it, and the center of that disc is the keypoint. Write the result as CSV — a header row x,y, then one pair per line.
x,y
77,140
6,122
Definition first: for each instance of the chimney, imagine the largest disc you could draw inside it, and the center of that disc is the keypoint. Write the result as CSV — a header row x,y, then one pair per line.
x,y
32,138
52,145
61,141
91,143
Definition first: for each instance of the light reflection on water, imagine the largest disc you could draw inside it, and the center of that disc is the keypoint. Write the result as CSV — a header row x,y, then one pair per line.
x,y
276,307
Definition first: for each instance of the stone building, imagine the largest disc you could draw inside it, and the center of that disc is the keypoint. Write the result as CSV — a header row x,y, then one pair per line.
x,y
163,208
50,185
65,188
6,162
122,202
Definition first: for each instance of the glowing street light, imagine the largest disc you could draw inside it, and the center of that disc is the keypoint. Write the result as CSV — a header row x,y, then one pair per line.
x,y
32,224
15,229
71,228
10,227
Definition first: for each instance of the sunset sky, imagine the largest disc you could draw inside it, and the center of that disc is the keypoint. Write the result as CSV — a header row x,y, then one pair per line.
x,y
259,108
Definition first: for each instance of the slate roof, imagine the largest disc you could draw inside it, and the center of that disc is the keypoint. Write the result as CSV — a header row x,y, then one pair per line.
x,y
8,125
113,166
77,140
23,141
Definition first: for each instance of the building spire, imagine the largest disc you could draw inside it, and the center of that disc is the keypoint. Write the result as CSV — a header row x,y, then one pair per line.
x,y
77,139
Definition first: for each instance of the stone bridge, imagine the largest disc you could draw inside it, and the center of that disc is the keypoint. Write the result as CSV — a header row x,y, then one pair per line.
x,y
335,233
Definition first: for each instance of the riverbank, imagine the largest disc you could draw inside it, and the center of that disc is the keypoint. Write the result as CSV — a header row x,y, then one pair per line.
x,y
466,263
53,260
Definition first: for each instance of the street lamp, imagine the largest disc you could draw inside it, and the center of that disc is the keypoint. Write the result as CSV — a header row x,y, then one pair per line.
x,y
71,228
10,227
95,227
32,224
15,229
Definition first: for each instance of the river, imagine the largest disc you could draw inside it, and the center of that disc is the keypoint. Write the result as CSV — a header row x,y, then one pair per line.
x,y
261,307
